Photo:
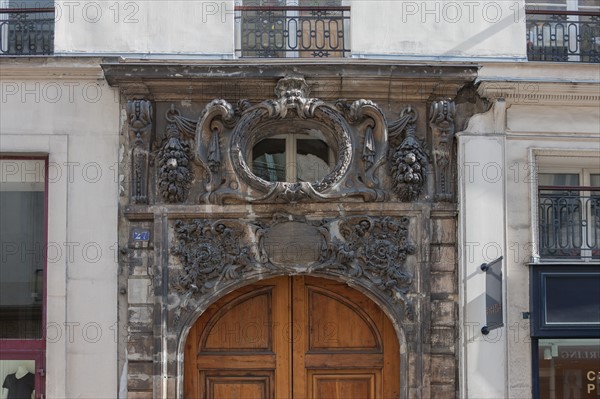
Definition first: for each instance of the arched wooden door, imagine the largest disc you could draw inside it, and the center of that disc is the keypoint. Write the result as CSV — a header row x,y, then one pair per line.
x,y
293,337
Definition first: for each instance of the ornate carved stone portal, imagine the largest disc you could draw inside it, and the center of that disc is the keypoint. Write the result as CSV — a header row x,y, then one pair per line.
x,y
202,218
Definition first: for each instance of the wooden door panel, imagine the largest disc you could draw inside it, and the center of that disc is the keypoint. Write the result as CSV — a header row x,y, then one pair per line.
x,y
337,325
241,325
236,349
341,384
237,361
348,360
360,357
248,385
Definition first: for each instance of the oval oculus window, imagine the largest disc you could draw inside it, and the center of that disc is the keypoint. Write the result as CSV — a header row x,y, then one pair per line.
x,y
293,157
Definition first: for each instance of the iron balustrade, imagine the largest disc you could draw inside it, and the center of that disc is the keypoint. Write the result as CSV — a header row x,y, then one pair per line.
x,y
293,31
569,222
563,36
26,31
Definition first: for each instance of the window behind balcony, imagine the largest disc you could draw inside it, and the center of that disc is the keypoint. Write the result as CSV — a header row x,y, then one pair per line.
x,y
26,27
292,28
563,30
569,215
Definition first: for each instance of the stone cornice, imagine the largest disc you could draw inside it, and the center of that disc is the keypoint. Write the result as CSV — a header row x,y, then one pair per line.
x,y
54,68
542,93
378,81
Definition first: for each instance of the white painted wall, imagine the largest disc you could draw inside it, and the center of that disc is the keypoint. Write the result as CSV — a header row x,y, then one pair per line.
x,y
432,29
501,212
175,27
64,109
436,29
482,224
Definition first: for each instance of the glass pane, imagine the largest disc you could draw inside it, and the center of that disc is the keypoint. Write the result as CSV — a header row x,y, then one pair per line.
x,y
18,379
22,242
268,160
568,368
546,4
589,5
558,179
594,235
572,299
561,216
312,159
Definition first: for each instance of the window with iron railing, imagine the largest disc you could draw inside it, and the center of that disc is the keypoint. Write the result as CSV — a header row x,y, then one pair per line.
x,y
569,215
563,30
292,28
26,28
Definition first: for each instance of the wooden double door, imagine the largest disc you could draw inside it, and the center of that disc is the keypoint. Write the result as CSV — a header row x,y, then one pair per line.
x,y
293,337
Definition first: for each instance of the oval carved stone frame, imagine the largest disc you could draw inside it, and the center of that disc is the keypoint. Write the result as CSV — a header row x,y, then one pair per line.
x,y
356,133
260,124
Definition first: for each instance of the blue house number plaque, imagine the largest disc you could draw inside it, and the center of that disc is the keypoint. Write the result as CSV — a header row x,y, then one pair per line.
x,y
140,235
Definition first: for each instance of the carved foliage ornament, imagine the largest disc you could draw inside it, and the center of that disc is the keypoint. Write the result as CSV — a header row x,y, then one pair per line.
x,y
174,173
371,251
407,159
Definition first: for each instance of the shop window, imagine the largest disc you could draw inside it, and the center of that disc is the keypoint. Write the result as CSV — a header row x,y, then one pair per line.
x,y
566,331
292,158
23,189
569,368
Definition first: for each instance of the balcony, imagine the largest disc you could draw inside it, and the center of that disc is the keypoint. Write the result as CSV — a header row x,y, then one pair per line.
x,y
563,36
290,31
569,222
26,31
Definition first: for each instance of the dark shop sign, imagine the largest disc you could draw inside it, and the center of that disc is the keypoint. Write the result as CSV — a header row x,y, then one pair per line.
x,y
493,295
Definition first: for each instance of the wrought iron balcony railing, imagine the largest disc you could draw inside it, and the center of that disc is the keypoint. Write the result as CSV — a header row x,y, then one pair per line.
x,y
26,31
569,222
289,31
563,36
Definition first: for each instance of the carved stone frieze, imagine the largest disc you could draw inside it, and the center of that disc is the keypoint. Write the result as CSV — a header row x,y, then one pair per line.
x,y
369,251
441,121
174,173
139,117
407,159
